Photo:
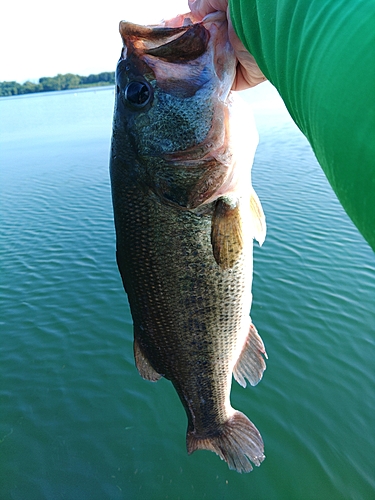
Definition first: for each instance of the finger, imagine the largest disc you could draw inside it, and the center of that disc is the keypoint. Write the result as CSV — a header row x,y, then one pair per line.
x,y
200,8
248,73
244,80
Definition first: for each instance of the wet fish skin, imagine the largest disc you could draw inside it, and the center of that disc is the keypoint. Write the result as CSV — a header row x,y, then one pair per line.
x,y
184,229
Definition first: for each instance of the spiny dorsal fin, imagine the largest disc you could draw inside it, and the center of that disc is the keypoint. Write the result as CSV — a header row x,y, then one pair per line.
x,y
226,233
258,218
250,364
145,369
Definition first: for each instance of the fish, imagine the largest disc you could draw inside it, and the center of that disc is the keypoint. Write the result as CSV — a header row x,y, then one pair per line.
x,y
185,215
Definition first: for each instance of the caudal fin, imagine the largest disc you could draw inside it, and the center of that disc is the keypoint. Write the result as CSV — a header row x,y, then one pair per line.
x,y
237,442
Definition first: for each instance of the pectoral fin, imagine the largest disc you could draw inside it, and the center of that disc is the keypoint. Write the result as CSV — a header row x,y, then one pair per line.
x,y
258,218
226,233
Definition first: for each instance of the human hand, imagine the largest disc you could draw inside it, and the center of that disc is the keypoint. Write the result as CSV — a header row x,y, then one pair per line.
x,y
248,73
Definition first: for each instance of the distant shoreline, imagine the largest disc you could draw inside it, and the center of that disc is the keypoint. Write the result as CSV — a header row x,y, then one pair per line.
x,y
59,82
91,88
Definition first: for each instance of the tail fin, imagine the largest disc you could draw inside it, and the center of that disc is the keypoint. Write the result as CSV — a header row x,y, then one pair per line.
x,y
237,442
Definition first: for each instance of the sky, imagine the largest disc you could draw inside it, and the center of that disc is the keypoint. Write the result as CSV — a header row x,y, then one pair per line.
x,y
43,37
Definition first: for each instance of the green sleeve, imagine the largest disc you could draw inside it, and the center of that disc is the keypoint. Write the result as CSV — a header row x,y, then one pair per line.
x,y
320,55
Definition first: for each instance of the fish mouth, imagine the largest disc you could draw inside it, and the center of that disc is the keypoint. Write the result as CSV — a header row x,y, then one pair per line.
x,y
170,44
187,47
179,41
174,53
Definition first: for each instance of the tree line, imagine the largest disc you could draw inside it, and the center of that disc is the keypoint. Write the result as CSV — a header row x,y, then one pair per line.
x,y
58,82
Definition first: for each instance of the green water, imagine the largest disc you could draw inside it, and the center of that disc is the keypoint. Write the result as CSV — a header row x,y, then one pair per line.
x,y
77,421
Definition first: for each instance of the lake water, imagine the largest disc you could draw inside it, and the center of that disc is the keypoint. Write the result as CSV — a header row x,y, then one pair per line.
x,y
77,421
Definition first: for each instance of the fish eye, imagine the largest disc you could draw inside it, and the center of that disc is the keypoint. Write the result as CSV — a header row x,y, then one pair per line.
x,y
137,93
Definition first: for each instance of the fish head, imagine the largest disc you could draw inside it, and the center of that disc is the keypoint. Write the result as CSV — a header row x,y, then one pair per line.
x,y
172,87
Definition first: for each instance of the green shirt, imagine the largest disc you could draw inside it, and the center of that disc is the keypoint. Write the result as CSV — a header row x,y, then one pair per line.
x,y
320,55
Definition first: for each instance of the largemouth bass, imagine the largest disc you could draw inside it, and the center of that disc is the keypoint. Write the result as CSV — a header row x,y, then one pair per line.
x,y
185,217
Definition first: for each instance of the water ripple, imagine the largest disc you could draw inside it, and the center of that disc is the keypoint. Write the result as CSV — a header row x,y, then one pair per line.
x,y
78,421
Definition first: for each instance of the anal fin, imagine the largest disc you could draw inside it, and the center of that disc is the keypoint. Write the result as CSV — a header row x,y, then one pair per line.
x,y
144,367
226,233
250,364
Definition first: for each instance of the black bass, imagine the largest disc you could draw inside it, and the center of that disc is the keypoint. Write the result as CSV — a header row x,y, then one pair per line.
x,y
185,217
